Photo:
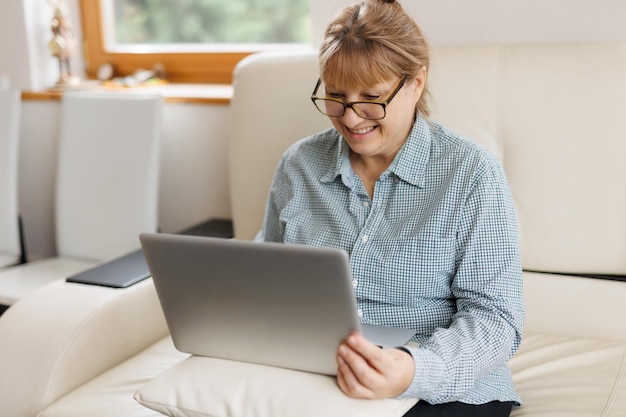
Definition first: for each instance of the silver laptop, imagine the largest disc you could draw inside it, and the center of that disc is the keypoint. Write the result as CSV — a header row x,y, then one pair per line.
x,y
268,303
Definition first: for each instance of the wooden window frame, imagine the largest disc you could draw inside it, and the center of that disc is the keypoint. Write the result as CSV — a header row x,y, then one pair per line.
x,y
183,67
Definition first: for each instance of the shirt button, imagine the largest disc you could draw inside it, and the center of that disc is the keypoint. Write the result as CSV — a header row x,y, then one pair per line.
x,y
366,204
355,282
364,239
359,312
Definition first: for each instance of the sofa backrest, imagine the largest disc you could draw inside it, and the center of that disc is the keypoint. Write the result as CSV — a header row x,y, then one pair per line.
x,y
271,109
553,114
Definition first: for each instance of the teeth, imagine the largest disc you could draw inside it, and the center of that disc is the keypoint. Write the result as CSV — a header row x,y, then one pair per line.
x,y
362,131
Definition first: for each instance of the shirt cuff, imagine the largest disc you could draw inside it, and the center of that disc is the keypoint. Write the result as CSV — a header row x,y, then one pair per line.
x,y
428,376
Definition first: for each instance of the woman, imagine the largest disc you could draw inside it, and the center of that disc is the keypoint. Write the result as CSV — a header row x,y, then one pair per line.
x,y
426,216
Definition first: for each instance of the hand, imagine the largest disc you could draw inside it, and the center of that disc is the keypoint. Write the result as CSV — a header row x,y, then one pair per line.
x,y
364,370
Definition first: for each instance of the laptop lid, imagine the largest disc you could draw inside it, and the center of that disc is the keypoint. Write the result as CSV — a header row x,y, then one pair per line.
x,y
268,303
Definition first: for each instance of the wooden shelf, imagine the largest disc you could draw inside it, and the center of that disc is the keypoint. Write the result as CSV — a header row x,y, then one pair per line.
x,y
172,93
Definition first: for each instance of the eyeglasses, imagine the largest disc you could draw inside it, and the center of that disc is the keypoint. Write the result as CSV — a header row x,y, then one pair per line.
x,y
371,110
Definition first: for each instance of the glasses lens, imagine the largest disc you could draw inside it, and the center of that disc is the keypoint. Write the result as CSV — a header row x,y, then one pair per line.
x,y
332,108
372,111
329,107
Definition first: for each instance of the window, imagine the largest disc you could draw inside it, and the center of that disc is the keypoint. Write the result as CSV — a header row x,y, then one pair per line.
x,y
194,40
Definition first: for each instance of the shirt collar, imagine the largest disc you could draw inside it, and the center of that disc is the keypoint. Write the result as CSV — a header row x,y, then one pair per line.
x,y
339,167
410,163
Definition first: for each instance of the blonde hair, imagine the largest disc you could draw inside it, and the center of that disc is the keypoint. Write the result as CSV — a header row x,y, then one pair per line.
x,y
372,41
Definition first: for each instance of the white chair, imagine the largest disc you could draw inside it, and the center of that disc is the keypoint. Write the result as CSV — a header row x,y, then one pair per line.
x,y
107,186
10,244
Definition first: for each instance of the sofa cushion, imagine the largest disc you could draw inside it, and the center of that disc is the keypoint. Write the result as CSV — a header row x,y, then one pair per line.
x,y
556,376
564,376
210,387
111,394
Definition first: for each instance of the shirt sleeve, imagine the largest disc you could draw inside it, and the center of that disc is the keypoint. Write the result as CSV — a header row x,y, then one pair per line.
x,y
487,285
272,230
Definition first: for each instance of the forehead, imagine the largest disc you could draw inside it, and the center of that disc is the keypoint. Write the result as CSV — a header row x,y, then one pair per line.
x,y
355,72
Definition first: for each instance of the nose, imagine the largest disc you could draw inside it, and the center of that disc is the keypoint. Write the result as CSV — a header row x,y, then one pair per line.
x,y
350,117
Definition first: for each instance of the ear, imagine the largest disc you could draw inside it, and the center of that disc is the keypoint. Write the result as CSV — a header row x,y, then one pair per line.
x,y
418,83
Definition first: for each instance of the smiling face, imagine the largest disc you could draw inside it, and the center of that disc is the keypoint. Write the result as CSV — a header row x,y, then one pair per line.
x,y
367,48
377,138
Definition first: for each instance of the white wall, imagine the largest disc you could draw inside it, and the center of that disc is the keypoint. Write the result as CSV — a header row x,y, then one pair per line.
x,y
502,21
194,171
14,62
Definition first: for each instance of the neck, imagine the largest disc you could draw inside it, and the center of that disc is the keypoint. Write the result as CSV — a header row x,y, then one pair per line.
x,y
369,169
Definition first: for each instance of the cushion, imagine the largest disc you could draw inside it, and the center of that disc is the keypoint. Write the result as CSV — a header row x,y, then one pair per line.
x,y
111,393
210,387
563,376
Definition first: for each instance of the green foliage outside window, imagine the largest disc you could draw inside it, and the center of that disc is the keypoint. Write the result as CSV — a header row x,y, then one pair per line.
x,y
212,21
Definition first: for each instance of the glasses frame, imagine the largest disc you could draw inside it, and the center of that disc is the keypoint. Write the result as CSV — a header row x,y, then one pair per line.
x,y
351,104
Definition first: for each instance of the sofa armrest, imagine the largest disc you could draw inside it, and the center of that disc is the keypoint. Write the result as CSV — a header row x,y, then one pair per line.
x,y
65,334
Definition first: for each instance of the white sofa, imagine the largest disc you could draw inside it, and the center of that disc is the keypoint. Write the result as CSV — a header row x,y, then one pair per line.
x,y
554,116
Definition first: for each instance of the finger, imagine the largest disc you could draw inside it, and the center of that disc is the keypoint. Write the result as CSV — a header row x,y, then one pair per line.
x,y
358,371
366,350
352,356
367,371
349,383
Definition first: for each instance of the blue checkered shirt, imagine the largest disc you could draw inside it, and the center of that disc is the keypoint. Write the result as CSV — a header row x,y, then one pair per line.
x,y
436,250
